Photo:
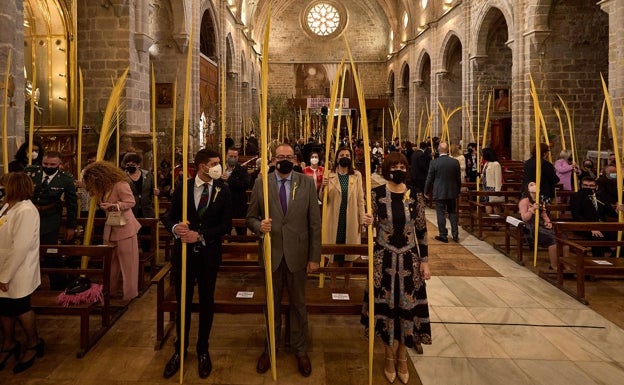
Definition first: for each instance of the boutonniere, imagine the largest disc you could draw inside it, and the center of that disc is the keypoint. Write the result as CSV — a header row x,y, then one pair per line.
x,y
217,189
406,195
294,190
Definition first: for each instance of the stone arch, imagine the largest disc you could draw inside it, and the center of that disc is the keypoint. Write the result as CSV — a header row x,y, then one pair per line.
x,y
208,45
390,82
539,21
230,52
423,60
405,75
448,47
486,19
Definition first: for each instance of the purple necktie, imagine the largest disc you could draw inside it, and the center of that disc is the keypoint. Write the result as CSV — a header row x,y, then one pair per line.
x,y
282,195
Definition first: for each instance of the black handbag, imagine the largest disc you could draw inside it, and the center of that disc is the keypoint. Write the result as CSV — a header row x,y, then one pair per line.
x,y
78,285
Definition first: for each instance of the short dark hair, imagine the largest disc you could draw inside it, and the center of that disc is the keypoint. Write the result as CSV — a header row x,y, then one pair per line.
x,y
18,186
489,154
544,148
391,160
53,154
588,178
131,157
204,155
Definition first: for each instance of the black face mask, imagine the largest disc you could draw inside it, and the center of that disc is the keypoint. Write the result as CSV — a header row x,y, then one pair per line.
x,y
588,191
131,169
588,166
298,169
398,176
344,162
49,170
284,166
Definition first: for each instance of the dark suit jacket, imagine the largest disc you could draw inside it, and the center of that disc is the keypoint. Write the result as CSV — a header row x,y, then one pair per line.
x,y
213,225
549,177
144,198
418,169
51,198
295,236
444,177
238,182
583,209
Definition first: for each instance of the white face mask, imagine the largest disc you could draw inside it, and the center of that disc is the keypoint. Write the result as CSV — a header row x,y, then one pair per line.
x,y
215,172
314,160
35,154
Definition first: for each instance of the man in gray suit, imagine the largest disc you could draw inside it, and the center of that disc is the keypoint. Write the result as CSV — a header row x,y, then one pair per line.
x,y
295,227
444,177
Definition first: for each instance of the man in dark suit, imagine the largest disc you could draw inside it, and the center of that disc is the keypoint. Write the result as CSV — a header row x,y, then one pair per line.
x,y
54,186
295,227
549,178
588,205
419,167
238,180
444,178
209,217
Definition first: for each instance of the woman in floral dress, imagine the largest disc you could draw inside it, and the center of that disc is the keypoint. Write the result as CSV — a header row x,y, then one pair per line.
x,y
400,269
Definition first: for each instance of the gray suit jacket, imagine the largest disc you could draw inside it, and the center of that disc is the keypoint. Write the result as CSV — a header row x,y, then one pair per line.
x,y
295,236
445,177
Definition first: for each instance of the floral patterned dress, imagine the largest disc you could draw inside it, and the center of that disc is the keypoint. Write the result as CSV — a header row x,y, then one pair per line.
x,y
401,307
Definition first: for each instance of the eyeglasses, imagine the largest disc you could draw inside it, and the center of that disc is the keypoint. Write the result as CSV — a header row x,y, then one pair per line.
x,y
284,157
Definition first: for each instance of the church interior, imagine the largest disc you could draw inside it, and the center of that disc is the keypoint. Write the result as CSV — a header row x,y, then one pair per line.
x,y
493,321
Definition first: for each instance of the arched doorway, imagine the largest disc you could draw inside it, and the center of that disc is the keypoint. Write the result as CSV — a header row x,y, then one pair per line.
x,y
209,80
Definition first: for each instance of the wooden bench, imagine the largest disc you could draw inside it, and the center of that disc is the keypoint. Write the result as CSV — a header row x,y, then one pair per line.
x,y
44,300
145,257
515,228
580,259
240,272
479,218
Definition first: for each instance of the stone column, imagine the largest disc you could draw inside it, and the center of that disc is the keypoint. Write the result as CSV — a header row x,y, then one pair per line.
x,y
615,10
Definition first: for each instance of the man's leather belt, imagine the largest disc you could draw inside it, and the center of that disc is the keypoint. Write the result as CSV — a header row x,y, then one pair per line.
x,y
46,207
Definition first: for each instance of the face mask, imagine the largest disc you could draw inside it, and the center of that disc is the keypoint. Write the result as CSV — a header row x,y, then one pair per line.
x,y
588,191
298,169
35,154
215,172
131,169
314,160
398,176
587,166
613,175
284,166
344,162
232,162
49,170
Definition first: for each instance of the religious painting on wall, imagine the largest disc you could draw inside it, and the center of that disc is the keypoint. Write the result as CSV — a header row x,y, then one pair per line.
x,y
311,81
164,95
501,100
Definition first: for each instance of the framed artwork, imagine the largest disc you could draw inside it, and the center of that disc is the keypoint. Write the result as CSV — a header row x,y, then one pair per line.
x,y
164,95
502,101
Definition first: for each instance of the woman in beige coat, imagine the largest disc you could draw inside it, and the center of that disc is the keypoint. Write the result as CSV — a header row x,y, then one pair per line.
x,y
345,207
109,185
19,271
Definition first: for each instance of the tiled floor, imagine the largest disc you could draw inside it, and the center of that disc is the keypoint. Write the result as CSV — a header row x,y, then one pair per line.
x,y
494,322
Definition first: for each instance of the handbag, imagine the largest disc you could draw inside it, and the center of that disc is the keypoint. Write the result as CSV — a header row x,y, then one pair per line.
x,y
115,218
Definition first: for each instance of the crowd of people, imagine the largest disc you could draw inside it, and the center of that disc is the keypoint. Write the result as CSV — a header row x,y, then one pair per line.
x,y
42,203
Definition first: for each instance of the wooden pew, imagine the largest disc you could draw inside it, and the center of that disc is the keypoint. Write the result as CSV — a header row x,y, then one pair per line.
x,y
580,259
478,216
515,227
44,301
244,274
145,257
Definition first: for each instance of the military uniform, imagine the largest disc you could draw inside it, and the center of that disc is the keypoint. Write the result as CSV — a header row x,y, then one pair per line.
x,y
49,201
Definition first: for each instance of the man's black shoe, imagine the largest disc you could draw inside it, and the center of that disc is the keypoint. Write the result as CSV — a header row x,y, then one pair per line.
x,y
204,365
441,239
172,366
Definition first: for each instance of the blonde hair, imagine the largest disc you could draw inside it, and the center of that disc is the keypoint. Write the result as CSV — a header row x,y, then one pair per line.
x,y
455,151
100,177
565,154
